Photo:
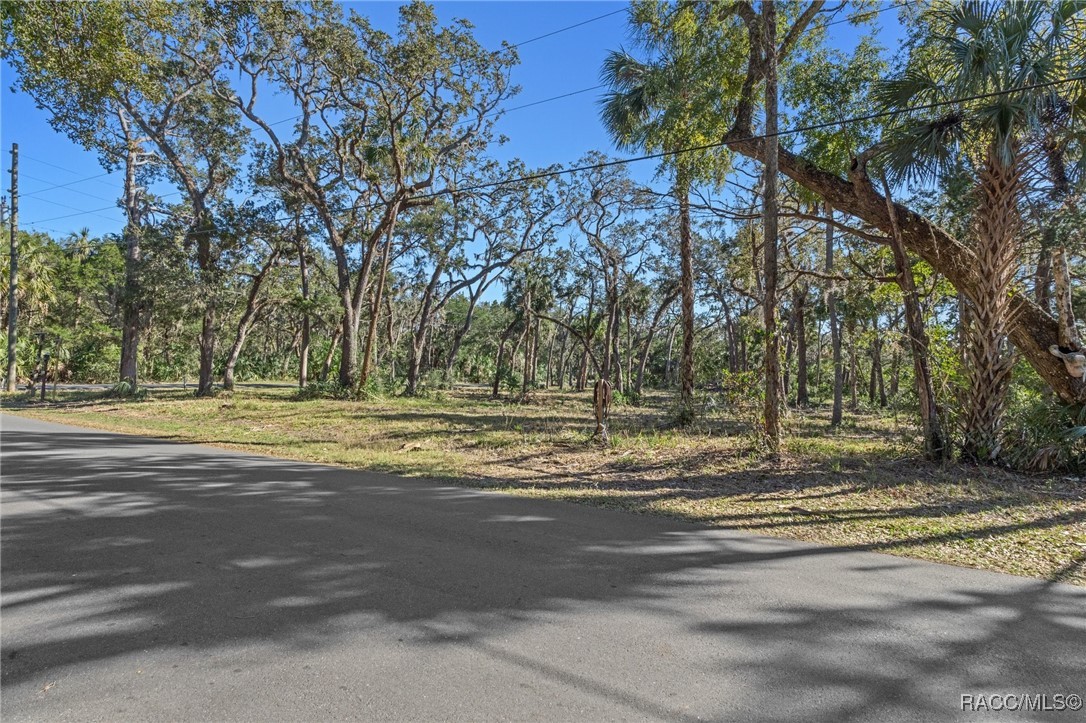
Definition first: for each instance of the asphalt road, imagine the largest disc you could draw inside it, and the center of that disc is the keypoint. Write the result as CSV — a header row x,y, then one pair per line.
x,y
146,580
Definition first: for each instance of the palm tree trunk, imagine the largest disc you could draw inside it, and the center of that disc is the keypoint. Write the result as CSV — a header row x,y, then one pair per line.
x,y
990,360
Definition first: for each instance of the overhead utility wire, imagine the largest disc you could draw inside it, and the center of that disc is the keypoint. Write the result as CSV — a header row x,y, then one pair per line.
x,y
285,120
569,27
74,208
494,112
62,168
64,185
718,144
517,45
866,14
70,190
706,146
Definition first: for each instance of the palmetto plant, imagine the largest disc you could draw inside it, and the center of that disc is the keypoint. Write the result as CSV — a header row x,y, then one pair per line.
x,y
999,64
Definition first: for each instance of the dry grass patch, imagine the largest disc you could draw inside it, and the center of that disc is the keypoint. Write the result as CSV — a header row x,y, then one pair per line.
x,y
862,486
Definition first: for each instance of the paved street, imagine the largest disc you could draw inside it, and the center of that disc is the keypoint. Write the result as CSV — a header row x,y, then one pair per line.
x,y
146,580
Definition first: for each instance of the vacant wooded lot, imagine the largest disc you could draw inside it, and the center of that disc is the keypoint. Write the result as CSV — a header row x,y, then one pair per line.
x,y
810,270
859,486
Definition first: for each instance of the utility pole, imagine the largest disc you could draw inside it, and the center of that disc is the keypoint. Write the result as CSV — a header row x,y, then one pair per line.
x,y
13,268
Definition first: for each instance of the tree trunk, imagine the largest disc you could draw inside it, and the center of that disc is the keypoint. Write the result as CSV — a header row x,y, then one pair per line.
x,y
550,354
414,361
348,348
419,338
853,368
458,337
616,359
730,330
1042,278
352,294
131,321
935,443
686,281
248,318
326,367
1031,330
232,357
13,277
562,361
498,361
799,303
1068,337
207,351
375,308
769,224
607,347
303,346
895,373
525,377
668,374
990,359
647,346
871,380
789,350
835,326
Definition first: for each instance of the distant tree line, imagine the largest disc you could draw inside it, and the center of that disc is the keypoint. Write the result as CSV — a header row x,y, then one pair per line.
x,y
829,228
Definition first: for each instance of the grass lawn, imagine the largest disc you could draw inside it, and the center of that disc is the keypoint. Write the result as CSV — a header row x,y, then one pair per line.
x,y
861,486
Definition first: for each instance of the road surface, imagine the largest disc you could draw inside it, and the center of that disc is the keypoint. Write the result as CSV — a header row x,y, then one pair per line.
x,y
146,580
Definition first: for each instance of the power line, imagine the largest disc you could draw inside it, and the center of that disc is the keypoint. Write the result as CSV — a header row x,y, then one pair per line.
x,y
70,190
706,146
92,211
517,45
569,27
494,112
865,14
498,110
62,168
533,103
38,226
65,185
718,144
64,205
548,100
692,149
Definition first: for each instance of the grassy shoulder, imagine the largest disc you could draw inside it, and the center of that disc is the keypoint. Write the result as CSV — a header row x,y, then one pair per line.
x,y
860,486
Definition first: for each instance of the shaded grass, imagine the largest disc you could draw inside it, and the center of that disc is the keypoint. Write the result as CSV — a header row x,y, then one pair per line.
x,y
861,486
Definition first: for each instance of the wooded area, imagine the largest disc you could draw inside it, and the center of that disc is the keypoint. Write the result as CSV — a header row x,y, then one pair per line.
x,y
830,230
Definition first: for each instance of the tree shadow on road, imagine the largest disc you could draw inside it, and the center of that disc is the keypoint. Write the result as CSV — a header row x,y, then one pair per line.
x,y
114,545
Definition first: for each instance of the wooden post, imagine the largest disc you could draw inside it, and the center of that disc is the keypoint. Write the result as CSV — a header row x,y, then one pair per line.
x,y
601,401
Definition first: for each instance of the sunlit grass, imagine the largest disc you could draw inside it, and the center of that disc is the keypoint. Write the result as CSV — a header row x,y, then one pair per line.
x,y
862,485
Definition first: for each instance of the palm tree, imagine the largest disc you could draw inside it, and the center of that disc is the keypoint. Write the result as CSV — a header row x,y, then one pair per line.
x,y
661,105
989,58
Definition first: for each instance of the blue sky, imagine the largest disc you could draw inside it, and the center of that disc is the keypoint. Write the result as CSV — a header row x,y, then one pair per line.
x,y
559,131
